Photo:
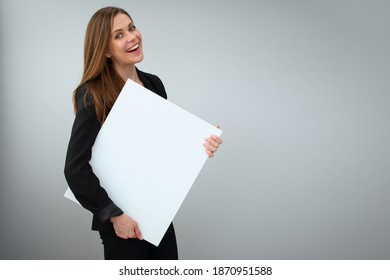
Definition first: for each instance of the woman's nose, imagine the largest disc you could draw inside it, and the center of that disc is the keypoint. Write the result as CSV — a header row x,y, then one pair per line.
x,y
130,36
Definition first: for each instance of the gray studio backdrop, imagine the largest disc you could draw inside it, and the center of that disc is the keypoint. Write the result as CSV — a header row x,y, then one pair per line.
x,y
300,88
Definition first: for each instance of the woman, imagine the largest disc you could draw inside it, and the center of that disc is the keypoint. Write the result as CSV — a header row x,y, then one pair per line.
x,y
113,46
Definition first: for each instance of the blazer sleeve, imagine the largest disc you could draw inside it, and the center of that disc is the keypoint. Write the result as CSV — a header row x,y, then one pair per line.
x,y
78,172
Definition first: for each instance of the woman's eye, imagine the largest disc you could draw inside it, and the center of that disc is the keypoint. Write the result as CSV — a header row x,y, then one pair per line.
x,y
117,36
132,28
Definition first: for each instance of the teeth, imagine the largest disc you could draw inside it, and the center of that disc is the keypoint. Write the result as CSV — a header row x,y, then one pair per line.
x,y
134,48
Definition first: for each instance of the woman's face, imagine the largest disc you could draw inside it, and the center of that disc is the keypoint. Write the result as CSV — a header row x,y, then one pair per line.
x,y
125,44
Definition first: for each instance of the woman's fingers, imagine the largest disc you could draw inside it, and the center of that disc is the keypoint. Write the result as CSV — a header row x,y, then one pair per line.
x,y
210,147
212,143
216,139
134,231
125,227
138,233
210,154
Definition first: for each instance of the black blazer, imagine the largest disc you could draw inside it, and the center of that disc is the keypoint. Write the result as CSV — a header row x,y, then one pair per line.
x,y
78,172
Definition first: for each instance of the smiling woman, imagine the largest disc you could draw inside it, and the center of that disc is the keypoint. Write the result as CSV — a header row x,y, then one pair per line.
x,y
125,47
113,46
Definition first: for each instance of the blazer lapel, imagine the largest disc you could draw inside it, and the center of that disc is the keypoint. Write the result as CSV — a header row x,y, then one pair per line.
x,y
147,83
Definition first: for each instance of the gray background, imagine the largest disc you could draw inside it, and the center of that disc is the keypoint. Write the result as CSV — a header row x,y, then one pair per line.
x,y
300,88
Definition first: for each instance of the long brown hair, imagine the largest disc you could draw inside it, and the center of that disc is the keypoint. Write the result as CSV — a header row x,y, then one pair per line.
x,y
103,82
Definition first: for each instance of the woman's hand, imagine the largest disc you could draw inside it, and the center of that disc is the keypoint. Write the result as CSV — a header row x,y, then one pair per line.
x,y
125,227
212,143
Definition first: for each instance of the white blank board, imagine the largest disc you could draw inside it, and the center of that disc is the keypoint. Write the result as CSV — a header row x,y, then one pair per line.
x,y
147,156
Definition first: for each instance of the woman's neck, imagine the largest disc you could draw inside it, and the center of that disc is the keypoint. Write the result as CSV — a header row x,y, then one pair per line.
x,y
128,73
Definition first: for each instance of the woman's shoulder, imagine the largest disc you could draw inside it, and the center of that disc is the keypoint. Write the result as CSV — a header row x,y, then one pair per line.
x,y
152,82
149,76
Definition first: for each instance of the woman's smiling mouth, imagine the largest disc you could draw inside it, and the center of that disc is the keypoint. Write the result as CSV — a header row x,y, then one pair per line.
x,y
133,49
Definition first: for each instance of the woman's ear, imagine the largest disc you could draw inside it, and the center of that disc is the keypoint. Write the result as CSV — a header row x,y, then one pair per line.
x,y
108,55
